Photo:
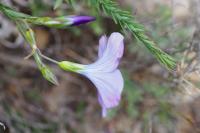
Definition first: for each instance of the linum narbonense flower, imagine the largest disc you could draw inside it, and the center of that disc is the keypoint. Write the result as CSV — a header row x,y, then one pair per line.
x,y
61,22
104,72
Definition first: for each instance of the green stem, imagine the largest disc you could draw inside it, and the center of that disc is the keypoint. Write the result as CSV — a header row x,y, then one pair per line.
x,y
47,58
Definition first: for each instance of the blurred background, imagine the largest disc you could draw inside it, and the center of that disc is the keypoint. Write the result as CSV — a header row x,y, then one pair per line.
x,y
154,100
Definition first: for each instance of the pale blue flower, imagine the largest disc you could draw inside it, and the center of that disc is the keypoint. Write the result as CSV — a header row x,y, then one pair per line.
x,y
104,73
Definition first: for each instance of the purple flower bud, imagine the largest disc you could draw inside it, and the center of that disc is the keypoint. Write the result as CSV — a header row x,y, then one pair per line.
x,y
61,22
78,20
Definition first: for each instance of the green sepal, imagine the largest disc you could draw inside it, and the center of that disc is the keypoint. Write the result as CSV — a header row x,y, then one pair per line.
x,y
45,70
58,22
70,66
48,75
26,32
30,36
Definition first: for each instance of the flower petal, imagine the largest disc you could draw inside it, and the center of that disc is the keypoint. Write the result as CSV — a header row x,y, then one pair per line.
x,y
115,45
109,60
102,45
109,86
104,110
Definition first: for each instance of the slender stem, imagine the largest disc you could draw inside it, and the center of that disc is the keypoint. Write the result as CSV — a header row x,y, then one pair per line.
x,y
47,58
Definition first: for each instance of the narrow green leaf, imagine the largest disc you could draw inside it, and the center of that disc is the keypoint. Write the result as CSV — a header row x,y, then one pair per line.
x,y
12,14
71,2
57,4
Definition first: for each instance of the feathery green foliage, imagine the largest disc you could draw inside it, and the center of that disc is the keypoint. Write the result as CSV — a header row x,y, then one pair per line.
x,y
128,23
